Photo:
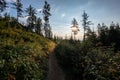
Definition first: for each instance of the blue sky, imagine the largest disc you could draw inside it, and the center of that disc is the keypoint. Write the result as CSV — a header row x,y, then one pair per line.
x,y
63,11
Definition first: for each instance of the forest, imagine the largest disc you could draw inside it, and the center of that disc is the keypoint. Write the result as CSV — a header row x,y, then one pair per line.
x,y
27,51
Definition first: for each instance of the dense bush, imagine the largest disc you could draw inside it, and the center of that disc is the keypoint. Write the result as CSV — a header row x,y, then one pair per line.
x,y
85,62
16,62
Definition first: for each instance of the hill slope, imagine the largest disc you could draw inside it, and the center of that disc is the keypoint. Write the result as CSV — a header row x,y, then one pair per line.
x,y
23,54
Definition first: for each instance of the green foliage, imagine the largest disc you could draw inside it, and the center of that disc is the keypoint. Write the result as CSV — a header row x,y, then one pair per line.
x,y
67,57
23,54
109,35
38,26
86,62
17,62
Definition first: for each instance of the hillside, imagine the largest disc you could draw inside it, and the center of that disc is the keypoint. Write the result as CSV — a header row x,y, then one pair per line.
x,y
23,54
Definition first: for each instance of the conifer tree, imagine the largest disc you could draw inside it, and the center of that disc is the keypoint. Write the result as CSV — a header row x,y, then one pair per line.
x,y
39,26
18,6
31,17
86,23
3,5
74,27
46,14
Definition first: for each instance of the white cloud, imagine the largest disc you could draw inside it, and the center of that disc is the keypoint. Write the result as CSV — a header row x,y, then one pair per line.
x,y
43,21
26,17
8,9
39,10
63,15
23,19
11,0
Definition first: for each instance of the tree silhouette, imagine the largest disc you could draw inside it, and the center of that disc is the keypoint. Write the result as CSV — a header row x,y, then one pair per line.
x,y
18,6
103,34
31,17
85,24
2,5
46,14
109,35
75,27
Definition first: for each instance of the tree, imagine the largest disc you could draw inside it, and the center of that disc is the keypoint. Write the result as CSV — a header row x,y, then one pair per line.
x,y
7,19
75,27
112,26
39,26
109,36
31,17
18,6
103,34
85,24
114,35
117,26
46,14
2,5
74,22
92,38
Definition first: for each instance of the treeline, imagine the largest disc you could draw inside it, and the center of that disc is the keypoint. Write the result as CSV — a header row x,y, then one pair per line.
x,y
34,23
105,36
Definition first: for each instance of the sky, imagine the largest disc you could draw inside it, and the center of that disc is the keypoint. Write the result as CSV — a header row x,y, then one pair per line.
x,y
63,12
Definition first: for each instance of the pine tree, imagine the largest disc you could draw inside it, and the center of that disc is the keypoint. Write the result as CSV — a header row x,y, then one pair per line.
x,y
112,33
85,24
31,17
103,34
75,28
18,6
46,14
117,26
3,5
39,26
74,22
91,37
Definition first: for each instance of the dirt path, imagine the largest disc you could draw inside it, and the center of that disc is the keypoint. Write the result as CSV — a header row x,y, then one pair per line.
x,y
55,72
